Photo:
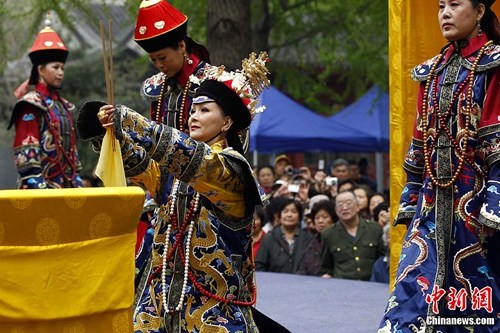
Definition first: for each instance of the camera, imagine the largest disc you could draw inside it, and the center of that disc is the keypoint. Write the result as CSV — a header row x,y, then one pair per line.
x,y
331,181
293,188
289,170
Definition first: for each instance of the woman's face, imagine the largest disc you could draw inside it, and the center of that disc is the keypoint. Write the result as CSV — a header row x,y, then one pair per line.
x,y
374,201
458,19
207,122
266,177
169,60
52,74
362,198
322,220
289,216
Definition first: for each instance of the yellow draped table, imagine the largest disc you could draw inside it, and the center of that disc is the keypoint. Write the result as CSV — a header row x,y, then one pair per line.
x,y
67,259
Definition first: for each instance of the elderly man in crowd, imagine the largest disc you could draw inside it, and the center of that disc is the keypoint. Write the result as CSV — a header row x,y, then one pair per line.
x,y
353,244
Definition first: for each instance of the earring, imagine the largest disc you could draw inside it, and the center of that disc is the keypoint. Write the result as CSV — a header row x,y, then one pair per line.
x,y
479,31
187,59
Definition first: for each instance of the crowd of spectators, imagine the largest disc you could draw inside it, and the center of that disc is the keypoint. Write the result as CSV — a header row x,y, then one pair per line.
x,y
327,223
330,222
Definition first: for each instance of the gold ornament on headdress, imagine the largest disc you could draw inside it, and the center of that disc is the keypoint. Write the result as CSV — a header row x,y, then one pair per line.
x,y
256,72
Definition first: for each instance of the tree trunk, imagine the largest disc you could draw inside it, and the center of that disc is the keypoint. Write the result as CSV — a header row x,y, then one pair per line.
x,y
228,32
262,28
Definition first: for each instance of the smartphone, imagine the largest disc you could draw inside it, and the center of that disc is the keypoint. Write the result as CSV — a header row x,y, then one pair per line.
x,y
321,165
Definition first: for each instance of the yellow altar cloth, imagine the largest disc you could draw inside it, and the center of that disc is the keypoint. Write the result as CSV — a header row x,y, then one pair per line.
x,y
67,259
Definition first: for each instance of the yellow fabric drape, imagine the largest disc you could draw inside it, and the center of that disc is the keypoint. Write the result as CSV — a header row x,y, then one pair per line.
x,y
75,279
67,259
110,165
414,36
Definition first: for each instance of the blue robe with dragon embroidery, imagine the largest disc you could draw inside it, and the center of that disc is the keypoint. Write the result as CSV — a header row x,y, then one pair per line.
x,y
220,251
449,265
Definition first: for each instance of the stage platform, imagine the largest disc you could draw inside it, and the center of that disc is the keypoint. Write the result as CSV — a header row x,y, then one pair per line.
x,y
305,304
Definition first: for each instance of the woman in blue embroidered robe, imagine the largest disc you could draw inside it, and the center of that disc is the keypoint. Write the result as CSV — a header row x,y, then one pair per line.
x,y
199,276
449,264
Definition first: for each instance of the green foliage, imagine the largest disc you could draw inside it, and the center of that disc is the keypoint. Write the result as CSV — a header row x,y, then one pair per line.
x,y
196,11
323,53
340,46
32,15
336,50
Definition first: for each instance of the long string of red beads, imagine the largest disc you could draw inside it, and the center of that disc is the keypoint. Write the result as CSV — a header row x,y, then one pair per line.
x,y
177,243
461,153
217,297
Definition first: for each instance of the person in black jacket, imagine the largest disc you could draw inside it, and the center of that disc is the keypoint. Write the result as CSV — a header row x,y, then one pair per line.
x,y
282,250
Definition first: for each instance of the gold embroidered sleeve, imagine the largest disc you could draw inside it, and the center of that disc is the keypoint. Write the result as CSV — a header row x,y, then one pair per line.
x,y
218,182
149,179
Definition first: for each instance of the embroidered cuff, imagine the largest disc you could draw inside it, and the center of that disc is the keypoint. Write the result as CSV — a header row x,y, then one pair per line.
x,y
404,214
414,158
490,211
489,219
490,146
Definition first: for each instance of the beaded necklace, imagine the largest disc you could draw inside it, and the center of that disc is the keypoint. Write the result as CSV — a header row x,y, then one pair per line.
x,y
184,255
205,292
183,103
461,153
166,256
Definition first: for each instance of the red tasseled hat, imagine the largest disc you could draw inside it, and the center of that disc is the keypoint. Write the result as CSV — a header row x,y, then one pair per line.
x,y
159,25
48,47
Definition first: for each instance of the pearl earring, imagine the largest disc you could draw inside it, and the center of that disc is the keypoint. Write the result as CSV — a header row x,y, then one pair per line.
x,y
187,59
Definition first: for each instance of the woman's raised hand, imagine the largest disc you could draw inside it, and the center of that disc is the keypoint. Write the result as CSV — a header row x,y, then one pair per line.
x,y
105,115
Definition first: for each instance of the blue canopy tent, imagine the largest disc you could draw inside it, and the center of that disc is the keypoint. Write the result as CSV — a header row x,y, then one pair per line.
x,y
369,114
287,126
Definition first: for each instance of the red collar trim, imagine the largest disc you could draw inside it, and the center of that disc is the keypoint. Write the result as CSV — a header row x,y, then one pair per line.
x,y
44,90
473,45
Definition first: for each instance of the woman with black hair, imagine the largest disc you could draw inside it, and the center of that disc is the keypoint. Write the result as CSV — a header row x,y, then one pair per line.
x,y
257,233
282,250
323,216
161,30
449,266
199,274
45,151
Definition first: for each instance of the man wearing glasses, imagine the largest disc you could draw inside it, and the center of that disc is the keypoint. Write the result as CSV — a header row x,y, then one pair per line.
x,y
352,244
